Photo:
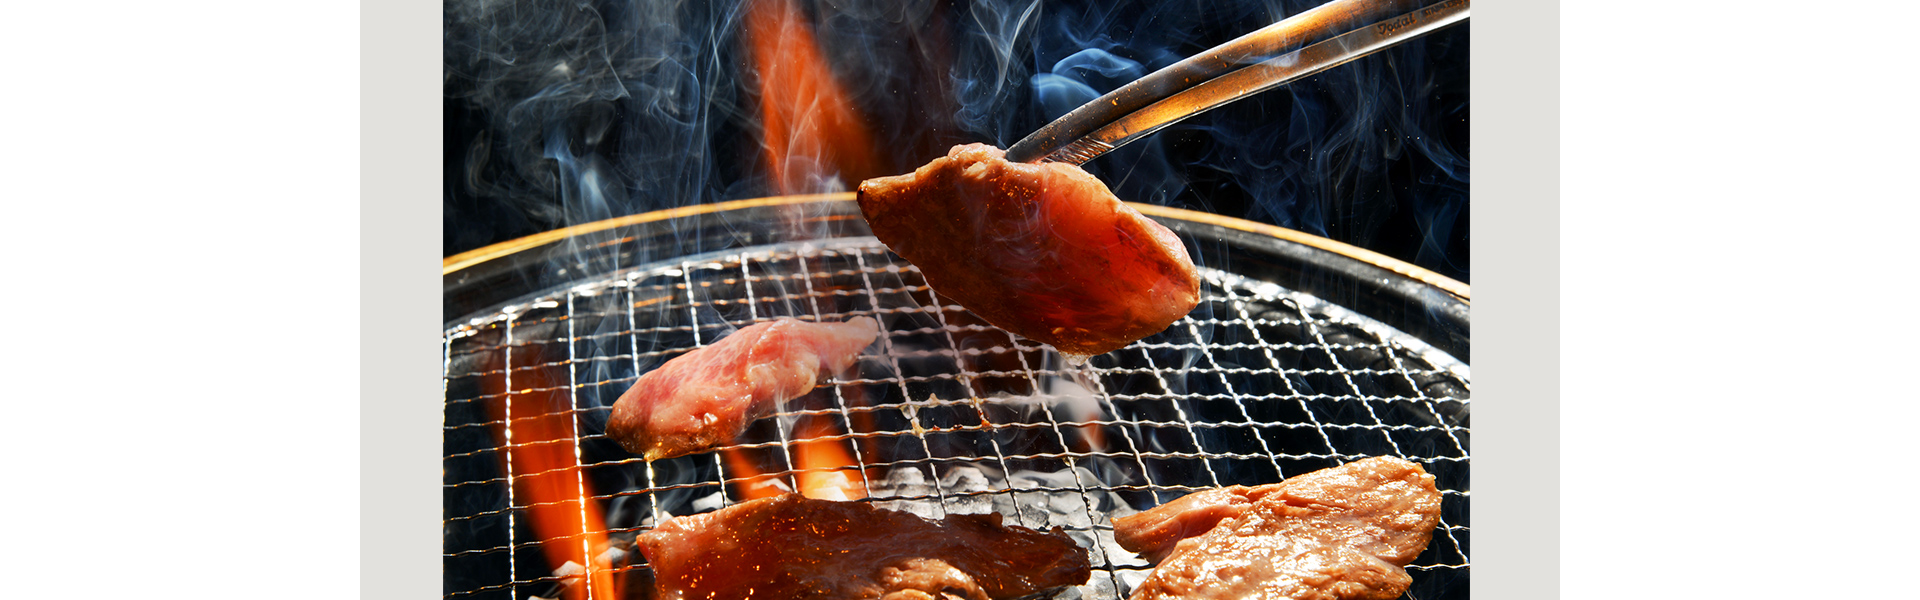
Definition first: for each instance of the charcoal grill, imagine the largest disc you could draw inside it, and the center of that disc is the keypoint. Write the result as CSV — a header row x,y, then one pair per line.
x,y
1303,354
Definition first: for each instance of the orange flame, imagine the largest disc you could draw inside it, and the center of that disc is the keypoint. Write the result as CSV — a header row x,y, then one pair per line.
x,y
823,469
751,483
812,130
548,481
821,464
856,397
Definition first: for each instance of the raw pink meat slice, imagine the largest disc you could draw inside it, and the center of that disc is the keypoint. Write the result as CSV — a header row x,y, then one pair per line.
x,y
706,397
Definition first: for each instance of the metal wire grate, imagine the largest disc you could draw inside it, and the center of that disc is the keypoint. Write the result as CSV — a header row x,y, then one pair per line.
x,y
946,414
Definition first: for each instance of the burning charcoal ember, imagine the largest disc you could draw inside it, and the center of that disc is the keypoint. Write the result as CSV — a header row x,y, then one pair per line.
x,y
796,547
1042,250
1342,533
706,397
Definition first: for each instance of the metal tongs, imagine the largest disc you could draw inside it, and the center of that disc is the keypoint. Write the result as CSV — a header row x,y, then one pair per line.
x,y
1327,36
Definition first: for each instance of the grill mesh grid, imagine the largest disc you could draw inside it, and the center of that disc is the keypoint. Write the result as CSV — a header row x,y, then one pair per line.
x,y
1256,384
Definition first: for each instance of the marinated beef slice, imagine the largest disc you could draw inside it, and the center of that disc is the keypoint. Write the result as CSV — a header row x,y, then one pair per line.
x,y
1042,250
796,547
1343,533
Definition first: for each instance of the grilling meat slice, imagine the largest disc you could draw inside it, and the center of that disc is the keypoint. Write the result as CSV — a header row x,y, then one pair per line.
x,y
706,397
796,547
1154,533
1343,533
1042,250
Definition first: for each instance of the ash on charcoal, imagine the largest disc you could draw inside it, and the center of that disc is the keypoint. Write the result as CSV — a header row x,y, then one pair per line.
x,y
906,481
966,488
710,502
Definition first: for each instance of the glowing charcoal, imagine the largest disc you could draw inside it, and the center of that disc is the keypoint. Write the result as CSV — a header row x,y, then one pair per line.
x,y
1042,250
796,547
706,397
1342,533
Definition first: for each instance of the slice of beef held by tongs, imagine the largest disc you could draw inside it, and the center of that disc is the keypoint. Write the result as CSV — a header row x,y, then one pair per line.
x,y
1042,250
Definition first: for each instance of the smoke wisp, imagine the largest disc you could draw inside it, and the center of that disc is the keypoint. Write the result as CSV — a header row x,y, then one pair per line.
x,y
565,112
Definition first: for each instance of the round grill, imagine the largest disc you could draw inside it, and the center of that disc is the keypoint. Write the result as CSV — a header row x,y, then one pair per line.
x,y
1262,381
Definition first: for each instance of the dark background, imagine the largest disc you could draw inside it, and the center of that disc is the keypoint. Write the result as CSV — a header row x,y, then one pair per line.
x,y
560,113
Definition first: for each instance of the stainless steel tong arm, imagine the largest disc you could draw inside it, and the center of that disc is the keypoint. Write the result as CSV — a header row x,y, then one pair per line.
x,y
1327,36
